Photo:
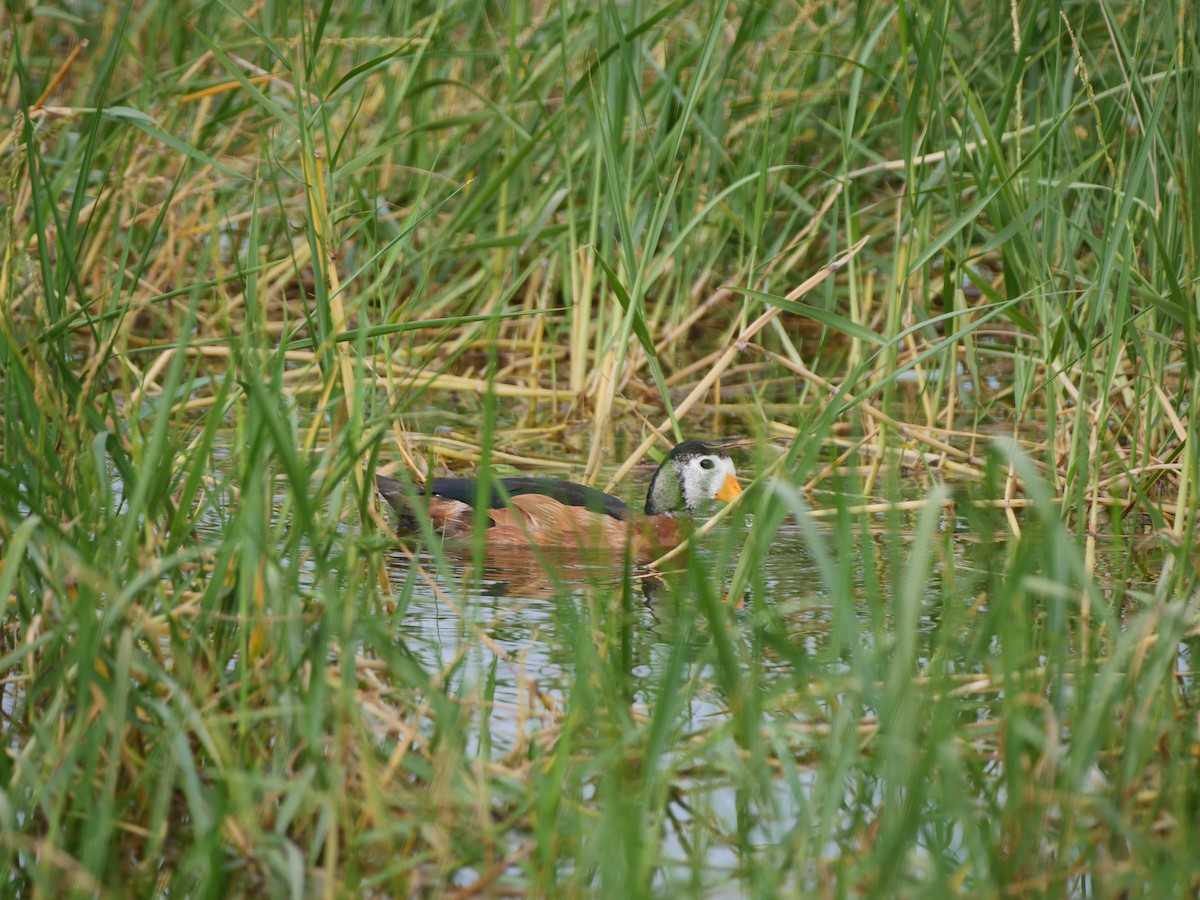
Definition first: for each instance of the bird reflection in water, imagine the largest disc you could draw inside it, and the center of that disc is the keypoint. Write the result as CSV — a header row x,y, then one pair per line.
x,y
546,573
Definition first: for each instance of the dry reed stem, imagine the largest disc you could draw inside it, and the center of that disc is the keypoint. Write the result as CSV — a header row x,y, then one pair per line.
x,y
798,245
731,353
919,433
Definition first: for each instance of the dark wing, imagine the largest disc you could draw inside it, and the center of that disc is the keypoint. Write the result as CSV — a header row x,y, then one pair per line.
x,y
565,492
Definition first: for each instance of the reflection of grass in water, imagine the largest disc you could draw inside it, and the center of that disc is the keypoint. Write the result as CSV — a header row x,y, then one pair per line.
x,y
217,674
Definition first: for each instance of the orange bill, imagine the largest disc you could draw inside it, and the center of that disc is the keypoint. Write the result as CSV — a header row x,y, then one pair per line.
x,y
729,489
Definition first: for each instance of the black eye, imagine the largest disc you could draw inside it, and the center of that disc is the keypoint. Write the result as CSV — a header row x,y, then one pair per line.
x,y
707,463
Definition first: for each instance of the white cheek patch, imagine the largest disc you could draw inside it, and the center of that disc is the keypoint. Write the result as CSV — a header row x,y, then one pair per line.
x,y
726,468
700,485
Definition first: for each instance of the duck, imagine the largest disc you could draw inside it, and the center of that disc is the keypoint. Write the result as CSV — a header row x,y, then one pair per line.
x,y
544,512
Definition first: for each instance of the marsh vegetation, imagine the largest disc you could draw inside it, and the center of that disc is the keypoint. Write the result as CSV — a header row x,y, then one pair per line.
x,y
935,265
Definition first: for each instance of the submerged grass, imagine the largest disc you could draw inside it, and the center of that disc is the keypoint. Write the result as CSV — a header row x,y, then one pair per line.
x,y
936,263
